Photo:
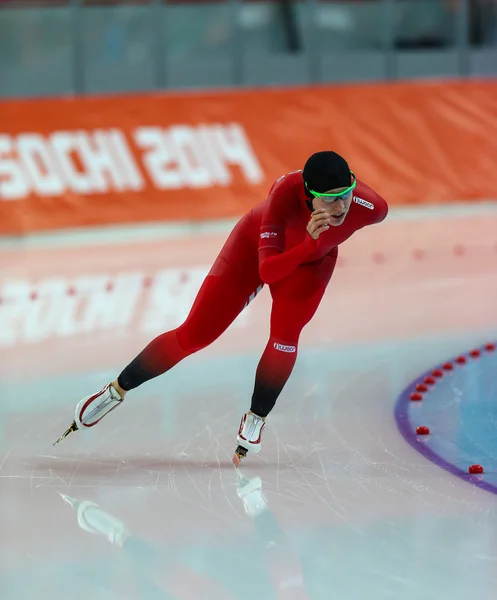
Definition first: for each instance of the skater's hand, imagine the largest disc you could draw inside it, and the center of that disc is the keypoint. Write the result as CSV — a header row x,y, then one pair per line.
x,y
319,222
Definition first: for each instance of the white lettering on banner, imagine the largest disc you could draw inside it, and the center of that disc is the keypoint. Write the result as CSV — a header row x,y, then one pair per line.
x,y
235,148
103,155
65,144
171,298
128,167
43,316
158,158
217,166
113,310
191,157
55,313
13,182
84,162
36,156
99,161
70,308
92,308
15,302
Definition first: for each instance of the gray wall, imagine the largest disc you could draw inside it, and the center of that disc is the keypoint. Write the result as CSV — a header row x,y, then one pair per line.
x,y
71,48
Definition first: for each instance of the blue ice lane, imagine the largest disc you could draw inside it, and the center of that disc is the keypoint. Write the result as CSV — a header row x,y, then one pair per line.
x,y
461,412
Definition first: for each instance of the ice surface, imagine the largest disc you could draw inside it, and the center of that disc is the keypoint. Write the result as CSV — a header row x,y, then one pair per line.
x,y
337,505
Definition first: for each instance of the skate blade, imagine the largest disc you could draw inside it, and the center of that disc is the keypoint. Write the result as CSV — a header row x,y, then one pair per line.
x,y
240,454
72,428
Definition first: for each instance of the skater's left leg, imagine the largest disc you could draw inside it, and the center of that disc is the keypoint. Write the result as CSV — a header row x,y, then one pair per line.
x,y
295,301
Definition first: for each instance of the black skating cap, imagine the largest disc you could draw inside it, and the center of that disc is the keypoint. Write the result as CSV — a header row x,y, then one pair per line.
x,y
325,171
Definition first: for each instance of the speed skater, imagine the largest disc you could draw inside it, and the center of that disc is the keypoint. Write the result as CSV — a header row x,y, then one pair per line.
x,y
288,242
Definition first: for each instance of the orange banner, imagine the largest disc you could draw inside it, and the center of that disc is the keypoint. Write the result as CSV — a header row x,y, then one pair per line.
x,y
116,160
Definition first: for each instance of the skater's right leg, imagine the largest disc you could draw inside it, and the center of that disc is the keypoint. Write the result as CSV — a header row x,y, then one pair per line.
x,y
219,301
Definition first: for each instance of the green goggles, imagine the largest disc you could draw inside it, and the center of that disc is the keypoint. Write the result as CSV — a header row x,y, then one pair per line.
x,y
340,196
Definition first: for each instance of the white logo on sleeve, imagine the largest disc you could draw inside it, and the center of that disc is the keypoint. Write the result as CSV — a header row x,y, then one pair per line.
x,y
362,202
268,234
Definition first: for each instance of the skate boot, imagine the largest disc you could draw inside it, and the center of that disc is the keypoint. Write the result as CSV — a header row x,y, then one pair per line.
x,y
249,436
93,409
95,520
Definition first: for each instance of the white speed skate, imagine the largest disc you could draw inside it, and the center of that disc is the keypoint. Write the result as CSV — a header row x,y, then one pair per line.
x,y
93,409
249,436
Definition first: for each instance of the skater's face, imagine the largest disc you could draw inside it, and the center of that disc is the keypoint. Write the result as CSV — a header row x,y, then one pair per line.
x,y
335,202
337,208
